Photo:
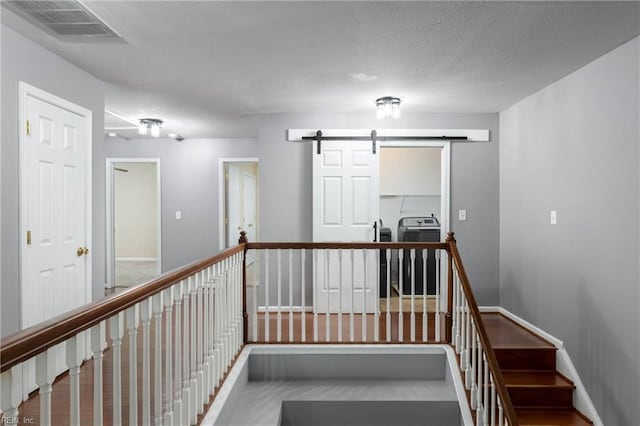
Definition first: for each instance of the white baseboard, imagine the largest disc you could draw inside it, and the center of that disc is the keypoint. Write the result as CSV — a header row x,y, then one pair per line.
x,y
564,365
136,259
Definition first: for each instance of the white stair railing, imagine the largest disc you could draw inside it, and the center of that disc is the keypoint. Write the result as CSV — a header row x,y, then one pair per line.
x,y
341,308
479,368
185,328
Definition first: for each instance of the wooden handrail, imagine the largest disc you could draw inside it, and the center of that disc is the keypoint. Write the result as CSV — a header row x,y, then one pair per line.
x,y
492,361
31,341
344,245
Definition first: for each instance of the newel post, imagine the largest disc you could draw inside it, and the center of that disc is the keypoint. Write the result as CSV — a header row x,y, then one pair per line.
x,y
245,318
451,240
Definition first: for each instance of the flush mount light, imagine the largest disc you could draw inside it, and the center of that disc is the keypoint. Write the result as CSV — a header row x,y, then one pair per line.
x,y
150,126
388,106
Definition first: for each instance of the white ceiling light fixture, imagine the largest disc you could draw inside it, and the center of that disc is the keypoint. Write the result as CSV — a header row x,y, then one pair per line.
x,y
388,106
150,126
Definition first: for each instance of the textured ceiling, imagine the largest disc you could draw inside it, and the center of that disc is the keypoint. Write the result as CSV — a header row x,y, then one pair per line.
x,y
206,67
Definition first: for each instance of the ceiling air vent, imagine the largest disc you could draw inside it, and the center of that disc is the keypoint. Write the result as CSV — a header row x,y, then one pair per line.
x,y
64,19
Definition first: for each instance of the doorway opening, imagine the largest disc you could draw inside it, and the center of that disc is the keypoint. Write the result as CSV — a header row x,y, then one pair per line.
x,y
238,200
414,204
134,242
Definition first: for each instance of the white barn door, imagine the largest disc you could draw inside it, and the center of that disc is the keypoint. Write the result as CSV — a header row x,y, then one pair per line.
x,y
345,208
55,182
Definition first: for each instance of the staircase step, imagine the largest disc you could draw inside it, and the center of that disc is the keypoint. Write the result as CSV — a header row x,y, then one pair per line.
x,y
504,333
539,389
551,417
518,358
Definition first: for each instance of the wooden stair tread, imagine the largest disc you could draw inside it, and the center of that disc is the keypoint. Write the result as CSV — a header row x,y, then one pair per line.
x,y
535,378
504,333
551,417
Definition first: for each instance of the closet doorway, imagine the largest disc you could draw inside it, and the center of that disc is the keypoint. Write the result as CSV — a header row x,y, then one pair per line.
x,y
134,242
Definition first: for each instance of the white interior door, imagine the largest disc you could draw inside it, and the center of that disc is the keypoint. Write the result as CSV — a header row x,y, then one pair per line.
x,y
234,216
53,197
345,208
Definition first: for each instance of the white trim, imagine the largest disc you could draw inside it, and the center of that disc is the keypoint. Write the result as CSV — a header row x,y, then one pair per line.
x,y
25,90
221,191
111,256
212,414
136,259
473,135
564,365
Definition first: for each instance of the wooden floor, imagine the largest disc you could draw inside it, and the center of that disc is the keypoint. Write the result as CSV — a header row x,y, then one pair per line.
x,y
348,334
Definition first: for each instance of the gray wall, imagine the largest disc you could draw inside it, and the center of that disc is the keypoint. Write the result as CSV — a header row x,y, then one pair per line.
x,y
189,179
573,147
285,184
23,60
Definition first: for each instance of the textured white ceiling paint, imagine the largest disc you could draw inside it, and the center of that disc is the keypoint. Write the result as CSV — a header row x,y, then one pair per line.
x,y
207,67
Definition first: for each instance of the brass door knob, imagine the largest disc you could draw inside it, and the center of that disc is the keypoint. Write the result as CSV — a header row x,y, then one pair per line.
x,y
86,251
82,250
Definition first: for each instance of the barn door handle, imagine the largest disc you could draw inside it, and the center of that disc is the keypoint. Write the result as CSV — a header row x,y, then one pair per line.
x,y
375,231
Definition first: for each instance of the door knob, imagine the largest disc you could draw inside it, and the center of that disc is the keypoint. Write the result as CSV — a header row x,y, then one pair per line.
x,y
82,250
86,251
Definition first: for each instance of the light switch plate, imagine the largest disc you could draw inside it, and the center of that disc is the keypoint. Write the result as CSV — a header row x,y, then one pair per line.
x,y
553,217
462,215
178,214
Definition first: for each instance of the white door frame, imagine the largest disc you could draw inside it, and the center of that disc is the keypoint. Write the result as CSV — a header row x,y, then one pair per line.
x,y
25,90
110,215
221,192
445,176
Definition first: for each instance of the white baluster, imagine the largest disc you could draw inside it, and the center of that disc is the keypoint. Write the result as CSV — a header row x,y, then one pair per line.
x,y
97,347
178,415
279,308
74,359
352,333
438,296
186,346
206,371
479,385
388,256
11,392
469,374
116,331
145,316
266,295
340,295
327,282
194,395
467,335
200,392
456,312
216,324
364,295
290,295
45,375
376,315
157,306
316,284
303,300
500,413
485,382
425,274
212,333
132,327
463,324
401,291
168,369
413,295
493,402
